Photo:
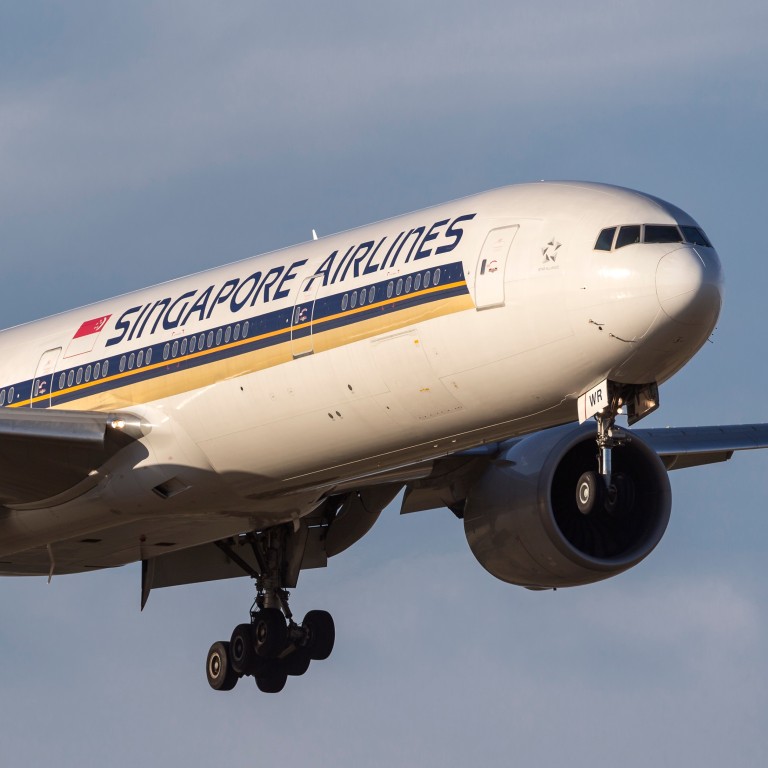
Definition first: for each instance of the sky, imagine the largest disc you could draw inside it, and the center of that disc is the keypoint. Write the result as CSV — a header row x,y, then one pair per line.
x,y
141,141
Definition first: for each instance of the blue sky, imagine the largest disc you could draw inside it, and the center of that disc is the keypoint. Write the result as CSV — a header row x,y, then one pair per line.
x,y
142,141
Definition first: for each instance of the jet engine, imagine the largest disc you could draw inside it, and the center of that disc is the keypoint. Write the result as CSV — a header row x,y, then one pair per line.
x,y
527,523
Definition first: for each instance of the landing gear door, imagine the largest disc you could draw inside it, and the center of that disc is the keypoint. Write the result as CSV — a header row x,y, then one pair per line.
x,y
43,383
489,272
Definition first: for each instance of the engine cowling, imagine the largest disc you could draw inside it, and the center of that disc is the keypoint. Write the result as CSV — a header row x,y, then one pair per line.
x,y
524,525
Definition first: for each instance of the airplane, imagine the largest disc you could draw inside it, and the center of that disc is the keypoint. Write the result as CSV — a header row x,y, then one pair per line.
x,y
256,418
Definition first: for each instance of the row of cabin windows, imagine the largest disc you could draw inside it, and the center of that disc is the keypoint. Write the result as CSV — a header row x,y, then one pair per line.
x,y
137,359
144,357
77,376
613,238
68,378
206,341
361,297
403,285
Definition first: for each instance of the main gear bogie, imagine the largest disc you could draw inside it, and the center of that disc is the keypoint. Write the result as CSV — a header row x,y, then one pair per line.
x,y
272,646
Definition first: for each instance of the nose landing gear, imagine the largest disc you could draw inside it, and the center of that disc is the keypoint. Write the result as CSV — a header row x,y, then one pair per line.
x,y
605,491
607,440
272,646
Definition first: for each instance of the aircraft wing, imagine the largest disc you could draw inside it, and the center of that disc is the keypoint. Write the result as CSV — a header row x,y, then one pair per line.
x,y
45,452
682,447
441,482
448,479
678,447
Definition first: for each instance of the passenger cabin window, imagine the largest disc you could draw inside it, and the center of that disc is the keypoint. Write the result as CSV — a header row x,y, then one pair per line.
x,y
661,233
605,239
628,236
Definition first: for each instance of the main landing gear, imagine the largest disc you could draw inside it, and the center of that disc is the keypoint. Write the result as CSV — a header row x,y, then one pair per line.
x,y
272,646
604,491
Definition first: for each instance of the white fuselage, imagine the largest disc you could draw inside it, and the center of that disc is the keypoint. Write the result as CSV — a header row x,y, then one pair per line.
x,y
267,383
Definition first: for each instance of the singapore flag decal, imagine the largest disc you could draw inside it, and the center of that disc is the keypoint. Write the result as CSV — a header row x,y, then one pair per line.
x,y
85,337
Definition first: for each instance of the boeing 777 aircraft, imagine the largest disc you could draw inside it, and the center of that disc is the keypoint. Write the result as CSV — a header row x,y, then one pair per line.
x,y
254,419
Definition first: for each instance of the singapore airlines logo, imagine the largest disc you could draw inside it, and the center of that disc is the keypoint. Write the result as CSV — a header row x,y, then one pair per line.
x,y
89,327
86,335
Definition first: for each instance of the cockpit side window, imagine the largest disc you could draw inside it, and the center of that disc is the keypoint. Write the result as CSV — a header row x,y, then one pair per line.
x,y
605,239
662,233
695,236
628,235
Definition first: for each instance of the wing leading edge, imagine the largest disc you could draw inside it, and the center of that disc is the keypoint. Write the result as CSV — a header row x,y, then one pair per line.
x,y
683,447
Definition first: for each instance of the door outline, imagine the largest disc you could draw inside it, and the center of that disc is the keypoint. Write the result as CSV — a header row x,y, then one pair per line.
x,y
302,341
43,381
491,267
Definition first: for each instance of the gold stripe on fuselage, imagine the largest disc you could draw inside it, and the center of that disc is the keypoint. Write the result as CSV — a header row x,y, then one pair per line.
x,y
172,383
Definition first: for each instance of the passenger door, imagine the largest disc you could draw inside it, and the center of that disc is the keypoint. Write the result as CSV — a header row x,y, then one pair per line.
x,y
491,265
43,383
301,321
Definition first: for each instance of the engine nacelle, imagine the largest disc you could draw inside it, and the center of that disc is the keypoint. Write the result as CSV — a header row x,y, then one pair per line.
x,y
523,523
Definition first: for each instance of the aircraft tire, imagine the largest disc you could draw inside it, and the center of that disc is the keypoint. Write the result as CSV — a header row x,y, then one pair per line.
x,y
219,670
242,650
297,662
274,682
590,492
322,634
270,632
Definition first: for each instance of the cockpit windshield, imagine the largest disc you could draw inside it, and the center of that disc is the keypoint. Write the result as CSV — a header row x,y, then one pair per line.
x,y
661,233
628,235
613,238
695,236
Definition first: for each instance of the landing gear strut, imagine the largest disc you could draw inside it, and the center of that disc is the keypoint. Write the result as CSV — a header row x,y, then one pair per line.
x,y
272,646
605,491
606,442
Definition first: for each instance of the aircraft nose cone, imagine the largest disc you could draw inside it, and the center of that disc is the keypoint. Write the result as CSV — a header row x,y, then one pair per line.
x,y
689,287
